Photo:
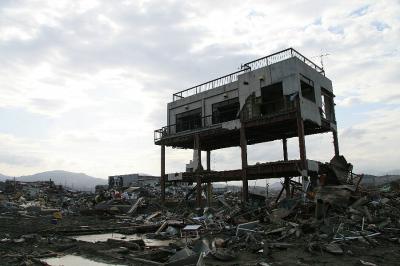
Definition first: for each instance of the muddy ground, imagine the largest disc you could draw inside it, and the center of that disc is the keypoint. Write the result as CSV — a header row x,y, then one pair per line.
x,y
27,240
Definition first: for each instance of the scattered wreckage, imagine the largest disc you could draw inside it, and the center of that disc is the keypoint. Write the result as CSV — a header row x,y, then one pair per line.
x,y
335,219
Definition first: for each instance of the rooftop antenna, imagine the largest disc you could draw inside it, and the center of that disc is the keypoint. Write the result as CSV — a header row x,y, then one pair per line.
x,y
321,56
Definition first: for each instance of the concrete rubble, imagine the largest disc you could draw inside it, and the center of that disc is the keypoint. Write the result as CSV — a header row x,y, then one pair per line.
x,y
343,222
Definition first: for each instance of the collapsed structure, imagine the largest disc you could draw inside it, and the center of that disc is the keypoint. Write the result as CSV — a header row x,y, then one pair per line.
x,y
276,97
280,96
129,180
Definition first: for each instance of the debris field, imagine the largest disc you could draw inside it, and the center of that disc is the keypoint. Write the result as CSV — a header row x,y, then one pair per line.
x,y
342,223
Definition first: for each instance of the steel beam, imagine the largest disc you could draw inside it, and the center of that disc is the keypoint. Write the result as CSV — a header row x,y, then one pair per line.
x,y
243,147
198,191
335,143
208,160
300,133
285,152
198,170
302,148
162,176
209,184
198,150
285,158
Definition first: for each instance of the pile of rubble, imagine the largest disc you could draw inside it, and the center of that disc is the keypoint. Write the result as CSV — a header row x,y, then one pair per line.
x,y
32,199
331,222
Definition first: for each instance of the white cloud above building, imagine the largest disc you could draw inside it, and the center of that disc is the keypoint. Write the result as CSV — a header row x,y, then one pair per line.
x,y
85,83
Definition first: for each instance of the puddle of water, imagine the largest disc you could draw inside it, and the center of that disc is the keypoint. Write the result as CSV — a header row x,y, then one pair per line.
x,y
72,260
103,238
157,242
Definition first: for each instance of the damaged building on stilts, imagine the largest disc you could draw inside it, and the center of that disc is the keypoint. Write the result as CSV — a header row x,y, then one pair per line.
x,y
280,96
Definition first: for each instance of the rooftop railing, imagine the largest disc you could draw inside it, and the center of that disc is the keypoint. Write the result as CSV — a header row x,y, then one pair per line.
x,y
209,85
187,126
280,56
252,65
214,121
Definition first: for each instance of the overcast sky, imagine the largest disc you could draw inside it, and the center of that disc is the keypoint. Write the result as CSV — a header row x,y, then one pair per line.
x,y
85,83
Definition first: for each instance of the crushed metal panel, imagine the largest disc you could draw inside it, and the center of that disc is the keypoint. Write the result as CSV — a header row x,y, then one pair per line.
x,y
175,176
191,227
334,195
313,166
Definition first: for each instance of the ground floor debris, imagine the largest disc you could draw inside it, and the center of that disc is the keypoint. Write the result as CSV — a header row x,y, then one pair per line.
x,y
344,223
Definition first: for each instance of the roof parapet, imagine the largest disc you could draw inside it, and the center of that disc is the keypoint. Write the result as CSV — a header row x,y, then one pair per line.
x,y
249,66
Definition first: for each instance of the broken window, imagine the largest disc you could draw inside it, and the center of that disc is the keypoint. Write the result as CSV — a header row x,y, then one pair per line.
x,y
225,111
323,106
327,105
272,98
307,88
188,120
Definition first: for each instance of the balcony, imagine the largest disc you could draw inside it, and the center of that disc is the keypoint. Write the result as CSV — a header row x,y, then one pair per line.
x,y
185,127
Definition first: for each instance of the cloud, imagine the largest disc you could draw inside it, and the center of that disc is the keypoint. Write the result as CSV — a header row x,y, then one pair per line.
x,y
101,72
360,11
19,154
354,133
19,160
46,104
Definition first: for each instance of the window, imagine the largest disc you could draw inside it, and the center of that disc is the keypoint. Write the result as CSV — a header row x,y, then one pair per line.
x,y
188,120
225,111
272,99
307,88
327,105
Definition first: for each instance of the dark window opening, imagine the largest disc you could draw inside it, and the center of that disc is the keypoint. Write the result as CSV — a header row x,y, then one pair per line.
x,y
327,105
225,111
272,99
307,89
188,120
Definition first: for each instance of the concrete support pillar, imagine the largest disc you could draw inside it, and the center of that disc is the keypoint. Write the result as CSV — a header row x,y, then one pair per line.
x,y
162,176
285,158
335,143
209,184
243,147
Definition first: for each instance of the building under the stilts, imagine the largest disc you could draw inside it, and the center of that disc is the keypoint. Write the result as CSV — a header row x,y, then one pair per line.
x,y
279,96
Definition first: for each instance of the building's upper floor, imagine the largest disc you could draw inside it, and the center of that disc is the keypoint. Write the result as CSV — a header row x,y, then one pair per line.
x,y
262,88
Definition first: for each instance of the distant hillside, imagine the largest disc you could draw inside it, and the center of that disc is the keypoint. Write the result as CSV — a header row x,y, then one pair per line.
x,y
379,180
78,181
394,172
4,177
